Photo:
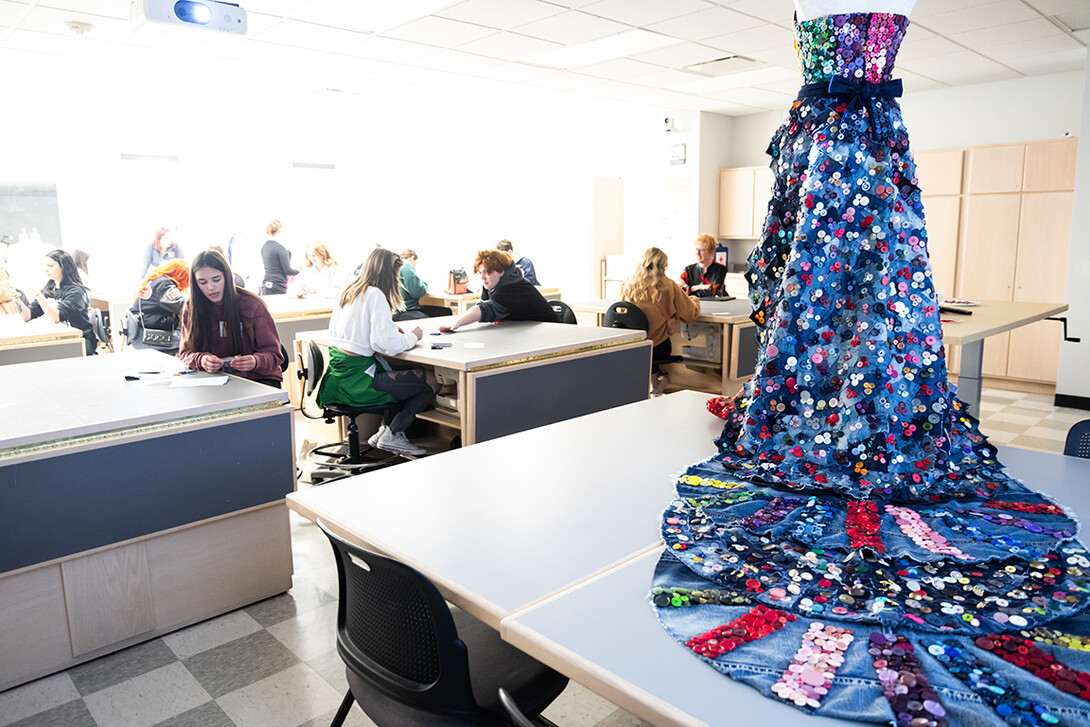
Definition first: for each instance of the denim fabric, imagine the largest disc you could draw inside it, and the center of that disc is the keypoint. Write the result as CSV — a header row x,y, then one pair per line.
x,y
856,692
409,387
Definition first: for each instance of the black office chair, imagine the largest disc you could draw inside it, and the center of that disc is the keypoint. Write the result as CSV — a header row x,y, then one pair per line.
x,y
1078,440
101,329
283,358
341,458
623,314
564,313
413,660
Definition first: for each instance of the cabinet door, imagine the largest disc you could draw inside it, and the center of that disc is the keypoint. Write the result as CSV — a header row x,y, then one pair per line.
x,y
1043,241
762,194
988,251
938,171
1050,165
943,216
108,596
736,202
33,637
995,169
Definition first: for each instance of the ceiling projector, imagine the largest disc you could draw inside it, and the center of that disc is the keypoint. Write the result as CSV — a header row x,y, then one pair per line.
x,y
210,14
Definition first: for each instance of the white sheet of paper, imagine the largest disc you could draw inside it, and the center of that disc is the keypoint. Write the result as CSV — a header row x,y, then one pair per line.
x,y
191,382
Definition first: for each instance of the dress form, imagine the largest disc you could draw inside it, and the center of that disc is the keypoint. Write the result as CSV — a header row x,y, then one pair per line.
x,y
810,9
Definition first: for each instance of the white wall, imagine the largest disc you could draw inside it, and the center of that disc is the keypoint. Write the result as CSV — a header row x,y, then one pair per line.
x,y
1073,379
716,136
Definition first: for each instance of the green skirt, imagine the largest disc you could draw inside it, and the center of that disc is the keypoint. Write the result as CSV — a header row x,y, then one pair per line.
x,y
349,381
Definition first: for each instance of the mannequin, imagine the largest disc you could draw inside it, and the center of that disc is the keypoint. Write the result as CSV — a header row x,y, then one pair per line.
x,y
810,9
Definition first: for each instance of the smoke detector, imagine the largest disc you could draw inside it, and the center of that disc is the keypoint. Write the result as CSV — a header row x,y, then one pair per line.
x,y
79,27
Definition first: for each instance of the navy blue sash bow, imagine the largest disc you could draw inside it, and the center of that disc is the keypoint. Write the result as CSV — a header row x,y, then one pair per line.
x,y
859,95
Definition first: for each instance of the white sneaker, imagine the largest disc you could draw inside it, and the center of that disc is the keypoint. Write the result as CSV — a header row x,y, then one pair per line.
x,y
373,441
398,443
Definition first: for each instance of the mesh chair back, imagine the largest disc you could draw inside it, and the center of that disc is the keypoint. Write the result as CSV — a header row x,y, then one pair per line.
x,y
395,631
564,313
1078,440
623,314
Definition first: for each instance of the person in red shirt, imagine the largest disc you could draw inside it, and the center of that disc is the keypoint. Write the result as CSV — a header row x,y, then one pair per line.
x,y
228,329
705,277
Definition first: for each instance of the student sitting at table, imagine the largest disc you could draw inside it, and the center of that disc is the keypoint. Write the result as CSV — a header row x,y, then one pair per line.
x,y
227,329
322,276
664,304
704,278
361,328
158,307
64,299
505,296
521,262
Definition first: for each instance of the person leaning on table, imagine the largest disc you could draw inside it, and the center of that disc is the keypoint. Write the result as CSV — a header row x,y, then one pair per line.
x,y
64,299
505,296
705,277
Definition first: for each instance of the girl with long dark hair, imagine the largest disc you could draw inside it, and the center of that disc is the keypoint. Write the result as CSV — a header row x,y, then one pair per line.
x,y
63,299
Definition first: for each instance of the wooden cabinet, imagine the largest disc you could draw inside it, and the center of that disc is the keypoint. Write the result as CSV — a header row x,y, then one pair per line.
x,y
743,201
994,169
1050,165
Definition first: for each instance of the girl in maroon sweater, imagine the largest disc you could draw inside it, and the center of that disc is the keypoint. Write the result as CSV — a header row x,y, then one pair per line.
x,y
227,329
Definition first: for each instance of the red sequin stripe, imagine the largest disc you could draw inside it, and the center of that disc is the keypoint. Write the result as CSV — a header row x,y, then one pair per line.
x,y
863,525
758,623
1037,508
1024,653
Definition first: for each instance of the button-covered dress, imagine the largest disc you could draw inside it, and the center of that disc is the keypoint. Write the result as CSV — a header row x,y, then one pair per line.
x,y
855,548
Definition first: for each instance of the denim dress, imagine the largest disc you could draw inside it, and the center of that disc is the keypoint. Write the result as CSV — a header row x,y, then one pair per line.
x,y
855,548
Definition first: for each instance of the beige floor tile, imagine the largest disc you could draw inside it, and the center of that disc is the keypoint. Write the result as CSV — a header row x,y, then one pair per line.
x,y
309,634
991,427
147,699
1006,417
210,634
1046,433
1041,445
999,437
578,707
286,699
36,697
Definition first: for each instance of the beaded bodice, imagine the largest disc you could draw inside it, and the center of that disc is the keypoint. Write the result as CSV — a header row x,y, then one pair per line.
x,y
860,46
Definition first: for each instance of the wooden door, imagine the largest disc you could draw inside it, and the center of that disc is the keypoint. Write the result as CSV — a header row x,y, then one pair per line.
x,y
989,251
763,180
938,171
1044,239
736,202
994,169
1050,165
942,215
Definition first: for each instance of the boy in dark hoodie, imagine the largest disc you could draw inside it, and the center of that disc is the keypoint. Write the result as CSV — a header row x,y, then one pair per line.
x,y
505,296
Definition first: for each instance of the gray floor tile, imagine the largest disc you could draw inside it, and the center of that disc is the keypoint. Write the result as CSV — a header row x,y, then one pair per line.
x,y
286,699
309,634
206,715
621,718
211,633
36,697
70,714
330,666
356,718
147,699
304,596
240,663
120,666
577,706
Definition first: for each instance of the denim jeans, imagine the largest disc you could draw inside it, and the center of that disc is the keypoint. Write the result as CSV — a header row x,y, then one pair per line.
x,y
410,388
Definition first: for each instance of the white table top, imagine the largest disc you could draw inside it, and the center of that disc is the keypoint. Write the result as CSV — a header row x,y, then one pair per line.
x,y
493,525
285,306
994,316
605,634
482,345
14,332
711,311
51,400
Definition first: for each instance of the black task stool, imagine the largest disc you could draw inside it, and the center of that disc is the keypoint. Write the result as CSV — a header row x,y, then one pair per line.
x,y
564,313
342,458
101,328
413,660
623,314
1078,440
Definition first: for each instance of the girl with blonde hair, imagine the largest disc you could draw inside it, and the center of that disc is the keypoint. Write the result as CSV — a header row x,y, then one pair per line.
x,y
664,304
361,331
322,276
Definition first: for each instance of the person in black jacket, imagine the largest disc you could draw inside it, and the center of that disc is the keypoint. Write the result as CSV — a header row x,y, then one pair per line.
x,y
277,260
705,277
64,299
505,296
159,303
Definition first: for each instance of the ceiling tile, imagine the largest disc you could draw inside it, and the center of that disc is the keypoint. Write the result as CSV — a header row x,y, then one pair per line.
x,y
42,62
982,40
439,31
566,81
726,108
927,8
349,65
678,56
1041,46
706,24
258,51
665,78
153,35
309,35
619,69
10,12
915,83
509,46
117,9
502,14
927,48
759,38
780,12
515,72
1075,19
642,13
411,75
789,86
572,27
1071,60
48,20
755,97
453,61
282,8
1083,35
785,57
1056,7
754,77
387,49
963,67
61,45
997,13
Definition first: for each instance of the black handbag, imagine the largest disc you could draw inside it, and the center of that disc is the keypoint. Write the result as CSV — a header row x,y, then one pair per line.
x,y
157,337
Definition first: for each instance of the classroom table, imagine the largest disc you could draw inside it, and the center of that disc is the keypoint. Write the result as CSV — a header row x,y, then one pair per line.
x,y
462,302
504,524
517,375
133,507
561,555
37,340
989,318
720,349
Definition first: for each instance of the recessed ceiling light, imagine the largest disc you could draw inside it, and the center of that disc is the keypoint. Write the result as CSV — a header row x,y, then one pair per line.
x,y
623,44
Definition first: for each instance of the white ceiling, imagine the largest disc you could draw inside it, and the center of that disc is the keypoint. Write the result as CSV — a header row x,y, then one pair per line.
x,y
486,47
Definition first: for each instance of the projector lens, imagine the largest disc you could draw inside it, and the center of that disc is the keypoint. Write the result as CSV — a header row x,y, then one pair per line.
x,y
190,11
